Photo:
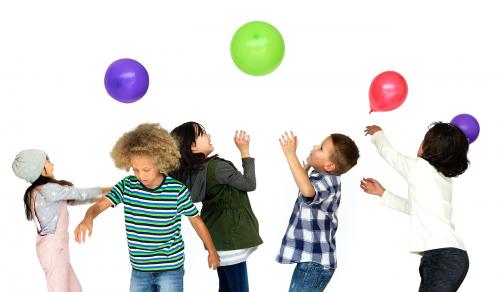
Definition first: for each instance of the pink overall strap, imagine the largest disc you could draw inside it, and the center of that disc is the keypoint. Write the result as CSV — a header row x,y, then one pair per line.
x,y
33,212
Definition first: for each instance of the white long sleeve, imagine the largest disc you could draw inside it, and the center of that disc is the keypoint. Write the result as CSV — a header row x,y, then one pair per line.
x,y
429,201
394,201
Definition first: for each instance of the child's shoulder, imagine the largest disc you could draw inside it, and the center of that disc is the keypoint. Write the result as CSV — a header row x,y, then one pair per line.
x,y
49,187
325,181
315,175
216,160
130,178
173,182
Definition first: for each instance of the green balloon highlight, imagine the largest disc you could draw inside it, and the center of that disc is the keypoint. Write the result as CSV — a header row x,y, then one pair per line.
x,y
257,48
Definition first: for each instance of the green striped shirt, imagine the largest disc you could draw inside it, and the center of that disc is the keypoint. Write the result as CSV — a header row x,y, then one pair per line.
x,y
153,222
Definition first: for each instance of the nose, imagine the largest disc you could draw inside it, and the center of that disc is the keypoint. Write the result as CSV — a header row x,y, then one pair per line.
x,y
315,147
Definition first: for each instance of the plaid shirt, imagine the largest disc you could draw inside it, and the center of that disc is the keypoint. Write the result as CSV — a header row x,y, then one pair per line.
x,y
310,236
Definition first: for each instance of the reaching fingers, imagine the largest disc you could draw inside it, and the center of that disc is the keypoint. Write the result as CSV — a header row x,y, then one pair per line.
x,y
241,136
76,234
362,185
365,183
81,232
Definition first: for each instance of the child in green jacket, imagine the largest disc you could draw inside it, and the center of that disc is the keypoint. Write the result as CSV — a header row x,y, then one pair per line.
x,y
222,189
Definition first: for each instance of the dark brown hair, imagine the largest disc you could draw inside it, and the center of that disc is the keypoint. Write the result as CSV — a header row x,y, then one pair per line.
x,y
445,147
345,154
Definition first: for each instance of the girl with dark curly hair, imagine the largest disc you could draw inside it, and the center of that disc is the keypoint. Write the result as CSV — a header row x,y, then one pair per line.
x,y
441,156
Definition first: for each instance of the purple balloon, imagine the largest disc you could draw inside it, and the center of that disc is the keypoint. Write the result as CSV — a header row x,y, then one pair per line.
x,y
468,124
126,80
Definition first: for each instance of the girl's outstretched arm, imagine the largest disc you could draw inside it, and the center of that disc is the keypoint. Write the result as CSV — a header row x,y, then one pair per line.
x,y
226,173
372,186
56,192
104,191
202,231
395,159
88,221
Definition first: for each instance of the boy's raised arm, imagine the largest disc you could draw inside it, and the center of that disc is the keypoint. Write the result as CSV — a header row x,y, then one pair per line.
x,y
288,144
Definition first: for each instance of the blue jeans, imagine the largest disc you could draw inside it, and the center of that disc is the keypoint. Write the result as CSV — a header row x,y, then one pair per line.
x,y
310,277
233,278
166,281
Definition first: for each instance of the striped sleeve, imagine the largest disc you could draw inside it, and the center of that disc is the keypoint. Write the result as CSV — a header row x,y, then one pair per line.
x,y
184,204
116,193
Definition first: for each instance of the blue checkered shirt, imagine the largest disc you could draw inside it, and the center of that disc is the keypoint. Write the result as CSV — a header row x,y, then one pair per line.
x,y
310,236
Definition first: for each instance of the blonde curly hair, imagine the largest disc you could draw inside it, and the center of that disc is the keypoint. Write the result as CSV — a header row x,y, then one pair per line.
x,y
150,140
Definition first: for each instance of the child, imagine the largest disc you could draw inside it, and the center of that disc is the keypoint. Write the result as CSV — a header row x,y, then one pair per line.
x,y
309,240
153,205
441,156
223,191
45,201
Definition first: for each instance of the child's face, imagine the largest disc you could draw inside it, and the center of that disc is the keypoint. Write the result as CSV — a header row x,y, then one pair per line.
x,y
320,155
146,171
48,169
202,144
420,150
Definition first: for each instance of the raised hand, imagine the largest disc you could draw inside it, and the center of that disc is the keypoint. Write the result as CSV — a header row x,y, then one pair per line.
x,y
288,142
371,186
242,141
370,130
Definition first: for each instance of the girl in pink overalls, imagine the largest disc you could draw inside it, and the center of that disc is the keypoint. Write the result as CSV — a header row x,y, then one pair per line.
x,y
45,201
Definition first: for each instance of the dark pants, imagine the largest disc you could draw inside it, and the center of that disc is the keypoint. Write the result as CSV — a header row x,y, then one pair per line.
x,y
233,278
443,269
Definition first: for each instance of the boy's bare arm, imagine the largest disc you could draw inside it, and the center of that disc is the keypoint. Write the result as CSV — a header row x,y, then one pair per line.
x,y
87,223
288,144
202,231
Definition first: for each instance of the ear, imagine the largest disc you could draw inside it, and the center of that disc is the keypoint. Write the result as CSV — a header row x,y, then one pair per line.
x,y
193,147
330,167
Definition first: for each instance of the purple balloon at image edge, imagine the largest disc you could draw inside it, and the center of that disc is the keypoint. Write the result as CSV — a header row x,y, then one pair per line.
x,y
126,80
468,124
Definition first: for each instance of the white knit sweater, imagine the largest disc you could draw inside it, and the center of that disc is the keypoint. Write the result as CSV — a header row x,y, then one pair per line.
x,y
429,201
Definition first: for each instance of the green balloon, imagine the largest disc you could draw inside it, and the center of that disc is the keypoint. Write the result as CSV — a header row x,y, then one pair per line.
x,y
257,48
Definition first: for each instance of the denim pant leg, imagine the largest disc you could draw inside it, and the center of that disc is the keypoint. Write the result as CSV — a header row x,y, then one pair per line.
x,y
443,270
170,281
233,278
310,277
141,281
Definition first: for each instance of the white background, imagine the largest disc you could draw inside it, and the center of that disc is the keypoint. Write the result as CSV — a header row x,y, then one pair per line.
x,y
53,55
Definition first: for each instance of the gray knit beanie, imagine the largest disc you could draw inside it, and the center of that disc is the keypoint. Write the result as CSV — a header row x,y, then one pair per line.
x,y
29,164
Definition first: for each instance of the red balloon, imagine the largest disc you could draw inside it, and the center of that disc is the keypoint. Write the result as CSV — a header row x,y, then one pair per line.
x,y
387,91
